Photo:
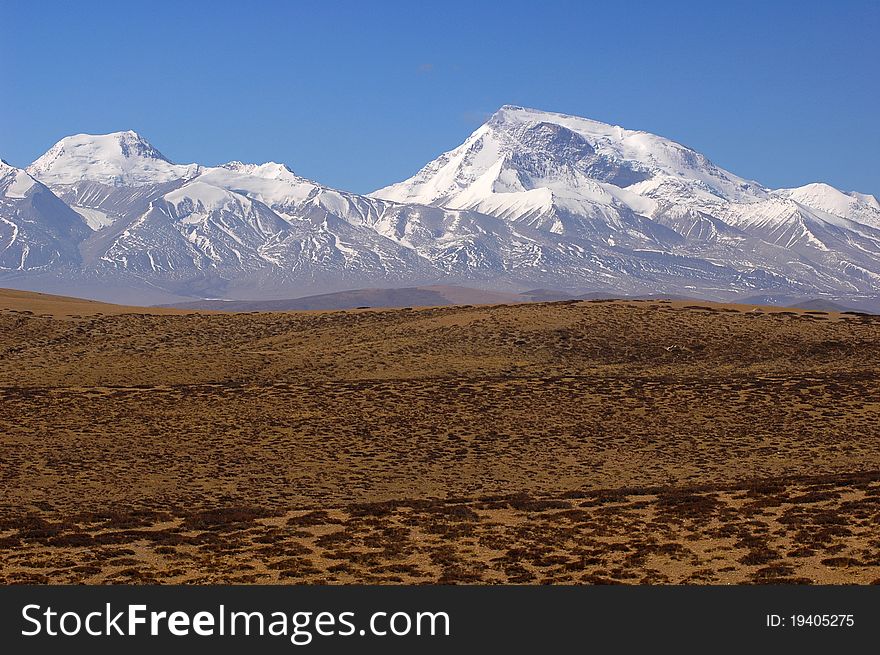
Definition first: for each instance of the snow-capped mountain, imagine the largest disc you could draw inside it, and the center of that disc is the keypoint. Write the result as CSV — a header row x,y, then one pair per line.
x,y
611,190
117,159
530,199
38,232
519,151
859,207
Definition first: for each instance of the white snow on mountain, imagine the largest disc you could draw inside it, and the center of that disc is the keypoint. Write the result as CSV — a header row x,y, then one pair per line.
x,y
15,181
38,232
530,199
116,159
858,207
866,198
94,218
273,184
597,183
521,149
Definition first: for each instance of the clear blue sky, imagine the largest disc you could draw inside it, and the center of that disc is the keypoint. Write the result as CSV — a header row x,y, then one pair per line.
x,y
362,94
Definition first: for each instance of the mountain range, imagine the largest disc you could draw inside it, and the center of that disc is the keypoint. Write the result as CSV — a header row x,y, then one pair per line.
x,y
531,199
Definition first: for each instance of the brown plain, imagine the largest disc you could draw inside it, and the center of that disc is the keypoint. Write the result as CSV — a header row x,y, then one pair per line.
x,y
566,442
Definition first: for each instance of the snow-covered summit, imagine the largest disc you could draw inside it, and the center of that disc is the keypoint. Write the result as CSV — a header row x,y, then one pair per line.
x,y
269,169
858,207
115,159
520,149
15,182
271,183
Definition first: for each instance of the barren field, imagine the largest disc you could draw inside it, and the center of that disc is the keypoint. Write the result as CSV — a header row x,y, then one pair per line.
x,y
568,442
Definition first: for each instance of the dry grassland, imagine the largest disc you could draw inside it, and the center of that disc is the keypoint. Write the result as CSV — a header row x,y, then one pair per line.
x,y
567,442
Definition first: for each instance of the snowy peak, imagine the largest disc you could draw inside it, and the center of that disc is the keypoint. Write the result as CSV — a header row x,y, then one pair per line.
x,y
115,159
14,182
866,198
527,149
271,183
37,230
508,115
199,196
857,207
270,170
131,145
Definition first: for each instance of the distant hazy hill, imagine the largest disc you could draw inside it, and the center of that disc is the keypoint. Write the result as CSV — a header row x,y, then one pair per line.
x,y
404,297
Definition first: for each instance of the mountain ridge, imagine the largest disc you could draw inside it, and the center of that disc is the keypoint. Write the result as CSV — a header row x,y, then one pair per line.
x,y
530,199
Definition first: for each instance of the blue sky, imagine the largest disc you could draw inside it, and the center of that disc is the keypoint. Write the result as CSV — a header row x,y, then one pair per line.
x,y
361,94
